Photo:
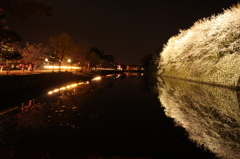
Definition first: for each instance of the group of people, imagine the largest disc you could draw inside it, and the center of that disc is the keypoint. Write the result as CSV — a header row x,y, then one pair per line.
x,y
28,66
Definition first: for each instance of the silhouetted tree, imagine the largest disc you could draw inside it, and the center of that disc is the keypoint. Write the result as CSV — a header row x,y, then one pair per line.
x,y
96,57
109,58
20,8
62,45
149,62
78,54
9,40
100,53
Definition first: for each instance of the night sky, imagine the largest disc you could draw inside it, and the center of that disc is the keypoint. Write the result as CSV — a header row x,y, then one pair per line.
x,y
127,29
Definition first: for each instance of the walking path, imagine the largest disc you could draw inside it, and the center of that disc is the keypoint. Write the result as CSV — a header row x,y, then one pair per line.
x,y
19,72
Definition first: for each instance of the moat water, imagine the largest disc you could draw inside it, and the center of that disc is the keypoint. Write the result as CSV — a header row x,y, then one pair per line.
x,y
123,116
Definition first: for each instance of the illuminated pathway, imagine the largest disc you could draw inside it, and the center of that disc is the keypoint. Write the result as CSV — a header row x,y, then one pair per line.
x,y
19,72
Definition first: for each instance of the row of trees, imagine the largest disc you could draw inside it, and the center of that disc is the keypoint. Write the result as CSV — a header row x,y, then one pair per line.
x,y
10,40
150,62
60,48
65,48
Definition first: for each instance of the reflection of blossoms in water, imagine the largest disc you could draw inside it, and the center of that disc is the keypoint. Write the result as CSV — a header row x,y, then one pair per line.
x,y
209,114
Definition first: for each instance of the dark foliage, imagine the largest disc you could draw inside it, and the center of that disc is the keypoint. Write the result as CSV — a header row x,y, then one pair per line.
x,y
22,8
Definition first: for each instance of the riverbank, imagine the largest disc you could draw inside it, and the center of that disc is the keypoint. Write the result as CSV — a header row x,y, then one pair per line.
x,y
17,82
27,86
12,86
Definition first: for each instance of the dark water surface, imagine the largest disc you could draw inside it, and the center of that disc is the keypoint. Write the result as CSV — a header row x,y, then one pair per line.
x,y
116,116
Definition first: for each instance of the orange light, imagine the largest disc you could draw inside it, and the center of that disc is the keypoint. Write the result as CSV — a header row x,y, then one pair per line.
x,y
97,78
62,67
51,92
67,87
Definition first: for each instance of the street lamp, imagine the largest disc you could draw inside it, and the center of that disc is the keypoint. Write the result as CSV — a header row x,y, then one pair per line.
x,y
69,61
46,61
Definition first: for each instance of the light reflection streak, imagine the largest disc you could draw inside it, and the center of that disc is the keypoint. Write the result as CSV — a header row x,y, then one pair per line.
x,y
68,87
76,84
55,90
97,78
63,88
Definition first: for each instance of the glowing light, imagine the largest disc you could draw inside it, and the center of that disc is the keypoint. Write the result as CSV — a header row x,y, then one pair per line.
x,y
63,88
51,92
119,67
97,78
55,90
62,67
80,83
67,87
118,76
73,85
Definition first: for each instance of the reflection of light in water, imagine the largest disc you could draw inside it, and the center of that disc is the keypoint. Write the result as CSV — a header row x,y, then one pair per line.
x,y
8,110
132,74
74,85
68,87
118,75
97,78
209,114
63,88
87,82
55,90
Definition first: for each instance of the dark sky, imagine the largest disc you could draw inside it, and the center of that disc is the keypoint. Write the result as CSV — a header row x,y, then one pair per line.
x,y
127,29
